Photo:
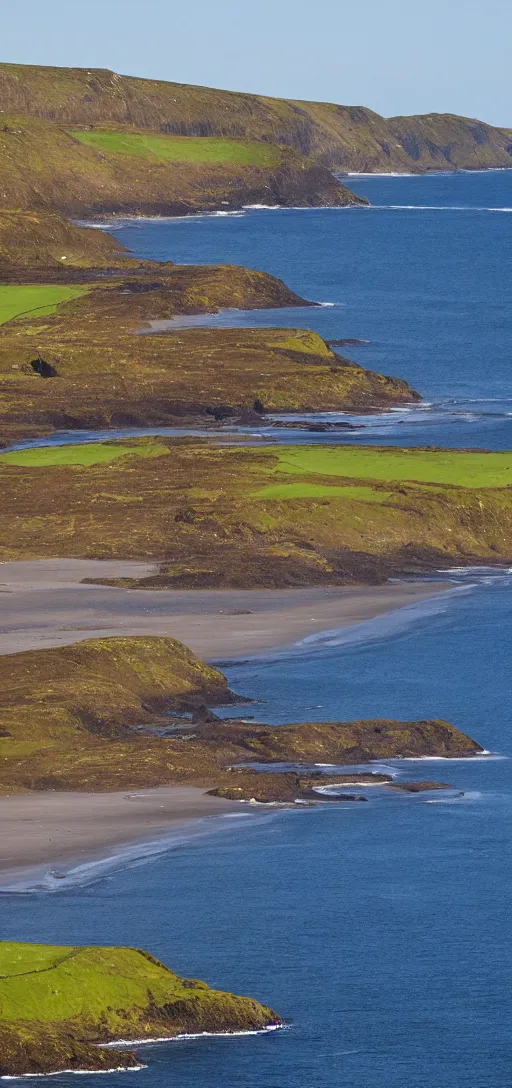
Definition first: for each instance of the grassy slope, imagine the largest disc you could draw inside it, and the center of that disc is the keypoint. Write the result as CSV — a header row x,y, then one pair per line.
x,y
83,455
352,138
108,375
41,240
45,168
464,469
179,148
31,300
239,517
66,718
63,999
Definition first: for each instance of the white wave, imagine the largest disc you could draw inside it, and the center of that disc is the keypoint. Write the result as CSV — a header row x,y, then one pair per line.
x,y
133,854
484,754
118,1043
262,207
76,1072
330,304
376,174
390,623
435,208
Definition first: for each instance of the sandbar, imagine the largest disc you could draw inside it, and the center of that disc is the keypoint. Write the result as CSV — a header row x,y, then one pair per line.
x,y
43,604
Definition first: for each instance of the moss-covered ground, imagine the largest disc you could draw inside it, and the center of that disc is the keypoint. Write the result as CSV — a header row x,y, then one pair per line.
x,y
109,375
237,516
82,717
34,300
58,1003
180,148
462,468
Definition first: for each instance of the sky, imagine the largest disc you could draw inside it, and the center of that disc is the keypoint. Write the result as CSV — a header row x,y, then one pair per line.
x,y
397,57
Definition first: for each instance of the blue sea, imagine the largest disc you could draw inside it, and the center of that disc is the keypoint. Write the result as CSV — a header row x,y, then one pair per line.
x,y
381,931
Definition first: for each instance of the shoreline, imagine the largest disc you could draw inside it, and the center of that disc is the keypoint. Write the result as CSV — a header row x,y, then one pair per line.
x,y
45,829
69,829
44,604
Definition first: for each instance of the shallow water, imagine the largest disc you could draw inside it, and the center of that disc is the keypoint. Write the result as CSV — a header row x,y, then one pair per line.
x,y
380,929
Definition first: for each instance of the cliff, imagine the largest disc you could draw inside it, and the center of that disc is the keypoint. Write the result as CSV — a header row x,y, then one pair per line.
x,y
59,1004
334,136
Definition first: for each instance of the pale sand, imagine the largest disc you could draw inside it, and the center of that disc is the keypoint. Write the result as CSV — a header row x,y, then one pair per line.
x,y
55,828
42,603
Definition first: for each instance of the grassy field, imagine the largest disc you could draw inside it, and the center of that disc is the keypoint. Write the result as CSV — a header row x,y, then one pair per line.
x,y
93,453
455,467
31,300
66,982
180,148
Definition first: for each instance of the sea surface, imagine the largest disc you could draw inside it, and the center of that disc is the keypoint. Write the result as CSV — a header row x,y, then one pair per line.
x,y
381,930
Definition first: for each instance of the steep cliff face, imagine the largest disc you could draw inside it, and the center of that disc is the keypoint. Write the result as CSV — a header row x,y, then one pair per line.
x,y
338,137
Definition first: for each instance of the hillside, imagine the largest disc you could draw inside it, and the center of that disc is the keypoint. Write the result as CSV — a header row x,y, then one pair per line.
x,y
43,240
59,1004
338,137
45,166
91,717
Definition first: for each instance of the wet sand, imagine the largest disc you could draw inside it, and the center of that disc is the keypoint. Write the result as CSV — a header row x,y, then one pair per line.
x,y
55,829
42,604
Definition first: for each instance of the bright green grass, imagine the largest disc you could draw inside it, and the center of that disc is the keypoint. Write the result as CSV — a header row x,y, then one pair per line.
x,y
308,490
51,983
92,453
34,300
181,148
457,467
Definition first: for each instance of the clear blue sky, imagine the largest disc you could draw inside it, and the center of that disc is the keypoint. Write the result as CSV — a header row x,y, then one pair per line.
x,y
394,56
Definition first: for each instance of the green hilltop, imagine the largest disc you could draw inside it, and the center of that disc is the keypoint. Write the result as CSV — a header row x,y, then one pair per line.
x,y
59,1004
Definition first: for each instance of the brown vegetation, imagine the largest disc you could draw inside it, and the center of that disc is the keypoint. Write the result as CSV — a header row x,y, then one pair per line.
x,y
84,717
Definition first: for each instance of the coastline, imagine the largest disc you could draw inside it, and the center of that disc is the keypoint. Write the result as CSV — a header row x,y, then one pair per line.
x,y
51,828
45,604
58,829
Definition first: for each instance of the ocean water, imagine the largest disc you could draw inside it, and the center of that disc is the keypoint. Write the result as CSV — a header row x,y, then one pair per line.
x,y
379,930
424,275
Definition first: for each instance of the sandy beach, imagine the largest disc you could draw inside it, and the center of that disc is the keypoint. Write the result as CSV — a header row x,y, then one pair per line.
x,y
55,829
42,604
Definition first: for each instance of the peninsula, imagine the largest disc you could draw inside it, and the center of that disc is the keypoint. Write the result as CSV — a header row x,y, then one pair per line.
x,y
125,713
62,1008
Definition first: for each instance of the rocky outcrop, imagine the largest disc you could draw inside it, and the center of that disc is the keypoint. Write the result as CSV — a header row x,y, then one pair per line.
x,y
76,716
